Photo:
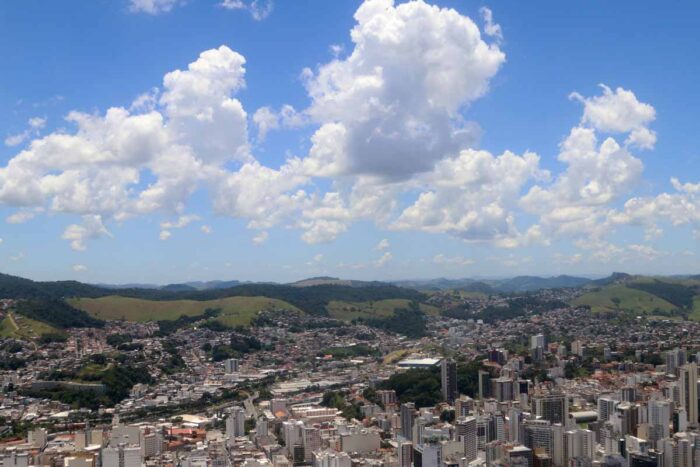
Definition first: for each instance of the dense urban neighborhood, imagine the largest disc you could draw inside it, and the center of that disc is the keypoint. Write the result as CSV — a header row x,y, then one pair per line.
x,y
352,374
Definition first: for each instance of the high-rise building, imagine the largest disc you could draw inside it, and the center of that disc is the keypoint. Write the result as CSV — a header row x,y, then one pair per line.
x,y
464,406
689,392
515,416
483,430
235,423
580,444
151,442
499,356
628,394
503,389
465,431
405,454
628,415
638,459
539,436
498,427
291,431
121,456
408,415
675,359
262,426
427,455
537,344
231,365
311,440
484,384
606,407
387,397
449,381
537,341
520,455
659,419
553,407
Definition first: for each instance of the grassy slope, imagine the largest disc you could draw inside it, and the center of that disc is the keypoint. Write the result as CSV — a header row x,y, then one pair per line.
x,y
695,314
385,308
234,310
630,300
18,326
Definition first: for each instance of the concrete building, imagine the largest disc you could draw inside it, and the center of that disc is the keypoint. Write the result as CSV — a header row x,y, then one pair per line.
x,y
122,456
449,380
465,431
688,379
235,422
231,365
361,441
408,415
553,407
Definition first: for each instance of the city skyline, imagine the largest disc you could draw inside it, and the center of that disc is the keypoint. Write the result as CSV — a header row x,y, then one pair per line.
x,y
163,141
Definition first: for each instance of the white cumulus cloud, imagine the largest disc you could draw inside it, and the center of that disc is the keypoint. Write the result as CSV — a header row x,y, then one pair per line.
x,y
452,260
258,9
35,126
91,228
382,245
153,7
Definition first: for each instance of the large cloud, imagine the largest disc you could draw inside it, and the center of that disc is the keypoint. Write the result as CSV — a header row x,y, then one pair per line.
x,y
678,208
389,111
597,173
390,144
200,108
472,196
152,7
101,168
391,108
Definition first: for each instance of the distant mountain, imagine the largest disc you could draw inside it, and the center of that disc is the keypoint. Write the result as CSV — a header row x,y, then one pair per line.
x,y
135,285
326,280
177,288
200,285
464,285
614,278
515,284
311,299
530,283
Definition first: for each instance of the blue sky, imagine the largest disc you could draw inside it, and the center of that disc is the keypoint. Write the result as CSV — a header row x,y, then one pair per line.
x,y
436,139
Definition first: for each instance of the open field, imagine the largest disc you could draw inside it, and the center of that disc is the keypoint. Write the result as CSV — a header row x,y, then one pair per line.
x,y
381,308
234,310
695,314
20,327
630,299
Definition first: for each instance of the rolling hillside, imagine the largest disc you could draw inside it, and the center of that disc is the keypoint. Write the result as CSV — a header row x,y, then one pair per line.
x,y
348,311
311,299
21,327
518,284
644,295
630,299
234,310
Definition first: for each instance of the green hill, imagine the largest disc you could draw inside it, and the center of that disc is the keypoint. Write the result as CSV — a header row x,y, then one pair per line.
x,y
348,311
21,327
311,299
234,310
667,296
635,300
